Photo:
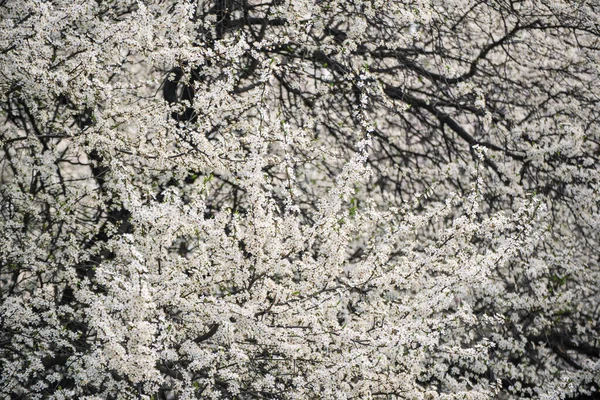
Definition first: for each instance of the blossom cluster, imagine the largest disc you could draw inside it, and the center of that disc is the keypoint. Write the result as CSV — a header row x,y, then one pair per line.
x,y
299,199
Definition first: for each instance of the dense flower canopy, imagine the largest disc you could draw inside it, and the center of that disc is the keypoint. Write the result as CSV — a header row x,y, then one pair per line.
x,y
277,199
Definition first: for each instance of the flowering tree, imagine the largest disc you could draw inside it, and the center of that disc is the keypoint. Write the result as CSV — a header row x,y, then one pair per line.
x,y
299,199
